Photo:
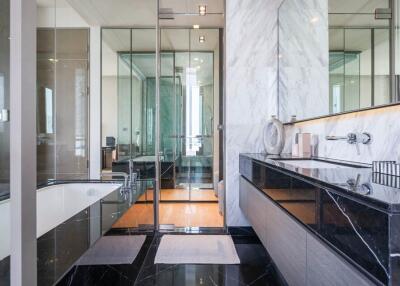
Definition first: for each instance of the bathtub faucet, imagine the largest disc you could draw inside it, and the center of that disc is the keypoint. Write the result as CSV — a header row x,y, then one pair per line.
x,y
133,176
119,174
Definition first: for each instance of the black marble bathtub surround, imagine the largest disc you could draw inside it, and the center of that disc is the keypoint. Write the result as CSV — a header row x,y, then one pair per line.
x,y
363,230
61,247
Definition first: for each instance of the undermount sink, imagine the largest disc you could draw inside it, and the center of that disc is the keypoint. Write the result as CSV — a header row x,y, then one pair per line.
x,y
313,164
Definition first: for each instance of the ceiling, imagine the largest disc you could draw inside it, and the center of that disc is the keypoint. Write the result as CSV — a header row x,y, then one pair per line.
x,y
143,13
192,6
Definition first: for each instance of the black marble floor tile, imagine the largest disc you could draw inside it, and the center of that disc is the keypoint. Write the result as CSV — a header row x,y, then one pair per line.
x,y
118,275
256,268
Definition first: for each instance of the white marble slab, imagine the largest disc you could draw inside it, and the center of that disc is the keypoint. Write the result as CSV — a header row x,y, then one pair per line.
x,y
251,87
382,124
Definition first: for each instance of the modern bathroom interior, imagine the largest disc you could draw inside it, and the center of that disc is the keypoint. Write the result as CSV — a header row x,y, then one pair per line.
x,y
199,142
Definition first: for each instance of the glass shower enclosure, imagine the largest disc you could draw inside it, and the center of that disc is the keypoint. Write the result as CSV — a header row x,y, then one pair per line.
x,y
186,114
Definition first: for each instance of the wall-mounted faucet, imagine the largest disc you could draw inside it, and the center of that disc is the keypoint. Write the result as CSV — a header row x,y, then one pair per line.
x,y
353,138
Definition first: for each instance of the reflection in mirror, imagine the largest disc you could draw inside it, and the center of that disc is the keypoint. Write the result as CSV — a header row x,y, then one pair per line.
x,y
334,56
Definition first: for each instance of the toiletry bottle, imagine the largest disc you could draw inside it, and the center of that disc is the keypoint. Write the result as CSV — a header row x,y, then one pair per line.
x,y
305,145
295,145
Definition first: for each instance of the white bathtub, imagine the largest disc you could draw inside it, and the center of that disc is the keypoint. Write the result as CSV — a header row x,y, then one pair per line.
x,y
55,205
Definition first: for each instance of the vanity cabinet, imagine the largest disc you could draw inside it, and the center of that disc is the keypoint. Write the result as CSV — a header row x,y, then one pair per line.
x,y
301,258
326,268
244,187
286,243
284,239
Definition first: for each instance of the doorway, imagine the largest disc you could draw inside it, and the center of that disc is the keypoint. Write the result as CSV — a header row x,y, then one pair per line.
x,y
189,140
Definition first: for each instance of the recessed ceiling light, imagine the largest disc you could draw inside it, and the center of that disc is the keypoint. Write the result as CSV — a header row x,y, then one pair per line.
x,y
202,10
196,26
314,20
196,59
202,39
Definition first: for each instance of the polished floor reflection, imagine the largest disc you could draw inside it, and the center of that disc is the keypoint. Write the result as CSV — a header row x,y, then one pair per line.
x,y
180,214
182,194
255,268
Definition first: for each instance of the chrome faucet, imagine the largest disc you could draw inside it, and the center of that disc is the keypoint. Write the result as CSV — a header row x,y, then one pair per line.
x,y
353,138
129,179
119,174
133,176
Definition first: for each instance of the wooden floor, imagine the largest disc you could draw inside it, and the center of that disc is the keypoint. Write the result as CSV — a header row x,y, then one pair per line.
x,y
180,214
182,195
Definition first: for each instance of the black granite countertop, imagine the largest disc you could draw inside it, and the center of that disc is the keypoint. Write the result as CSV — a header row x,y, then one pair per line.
x,y
356,180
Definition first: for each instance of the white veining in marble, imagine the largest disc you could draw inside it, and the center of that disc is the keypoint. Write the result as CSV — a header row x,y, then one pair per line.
x,y
303,59
382,124
251,87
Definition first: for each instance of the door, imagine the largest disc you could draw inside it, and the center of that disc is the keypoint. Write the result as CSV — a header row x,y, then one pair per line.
x,y
188,100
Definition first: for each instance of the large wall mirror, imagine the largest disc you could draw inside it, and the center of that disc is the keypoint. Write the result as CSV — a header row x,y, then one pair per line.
x,y
336,56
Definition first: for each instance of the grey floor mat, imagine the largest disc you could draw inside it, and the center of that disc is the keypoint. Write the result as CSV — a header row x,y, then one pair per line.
x,y
110,250
196,249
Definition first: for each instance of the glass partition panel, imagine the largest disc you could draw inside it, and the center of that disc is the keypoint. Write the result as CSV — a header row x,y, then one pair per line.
x,y
396,10
62,94
71,103
45,101
382,58
5,222
128,115
124,105
336,70
4,98
115,91
357,69
175,66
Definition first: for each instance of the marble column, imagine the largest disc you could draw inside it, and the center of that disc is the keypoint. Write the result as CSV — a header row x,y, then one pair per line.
x,y
251,87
